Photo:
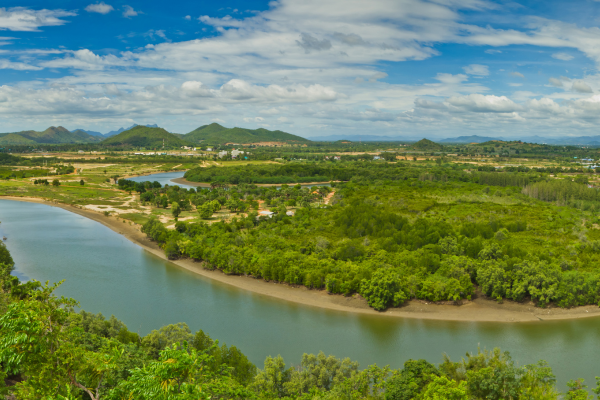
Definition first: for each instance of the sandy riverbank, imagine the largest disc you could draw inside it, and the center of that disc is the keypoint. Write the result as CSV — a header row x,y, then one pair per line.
x,y
477,310
183,181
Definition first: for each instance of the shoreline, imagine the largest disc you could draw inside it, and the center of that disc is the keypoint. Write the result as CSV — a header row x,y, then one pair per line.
x,y
478,310
184,181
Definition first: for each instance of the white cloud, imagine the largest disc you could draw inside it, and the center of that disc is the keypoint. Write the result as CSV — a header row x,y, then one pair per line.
x,y
160,33
309,43
240,90
377,76
270,111
581,87
27,20
517,74
255,119
477,69
451,79
484,103
100,8
129,12
19,66
85,60
562,56
321,60
555,82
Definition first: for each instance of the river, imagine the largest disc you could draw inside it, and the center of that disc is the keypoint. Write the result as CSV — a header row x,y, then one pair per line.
x,y
109,274
166,178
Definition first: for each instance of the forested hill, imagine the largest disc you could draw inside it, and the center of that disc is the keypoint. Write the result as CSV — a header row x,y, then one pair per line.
x,y
426,144
217,134
143,136
52,135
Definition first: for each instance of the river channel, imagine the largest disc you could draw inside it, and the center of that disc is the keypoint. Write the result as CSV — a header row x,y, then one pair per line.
x,y
107,273
166,178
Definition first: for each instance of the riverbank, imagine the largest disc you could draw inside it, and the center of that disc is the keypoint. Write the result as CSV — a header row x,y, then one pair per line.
x,y
183,181
479,309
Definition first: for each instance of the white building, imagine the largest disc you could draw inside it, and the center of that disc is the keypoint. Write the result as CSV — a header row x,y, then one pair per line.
x,y
235,153
265,213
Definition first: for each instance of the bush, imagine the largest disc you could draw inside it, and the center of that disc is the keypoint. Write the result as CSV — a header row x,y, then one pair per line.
x,y
383,289
172,250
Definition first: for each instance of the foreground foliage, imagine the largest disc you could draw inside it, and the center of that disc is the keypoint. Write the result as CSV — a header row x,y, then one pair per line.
x,y
48,351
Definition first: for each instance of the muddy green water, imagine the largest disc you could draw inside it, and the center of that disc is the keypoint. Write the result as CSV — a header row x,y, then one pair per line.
x,y
109,274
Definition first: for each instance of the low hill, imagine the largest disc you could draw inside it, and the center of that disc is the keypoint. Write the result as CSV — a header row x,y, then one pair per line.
x,y
52,135
13,138
426,145
217,134
469,139
91,133
113,133
143,136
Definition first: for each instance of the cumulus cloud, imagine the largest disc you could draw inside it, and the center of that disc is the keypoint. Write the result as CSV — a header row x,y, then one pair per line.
x,y
237,89
85,60
517,74
580,86
562,56
477,69
307,56
100,8
27,20
129,12
484,103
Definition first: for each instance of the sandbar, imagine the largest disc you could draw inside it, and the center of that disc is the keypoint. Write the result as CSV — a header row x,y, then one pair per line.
x,y
183,181
479,309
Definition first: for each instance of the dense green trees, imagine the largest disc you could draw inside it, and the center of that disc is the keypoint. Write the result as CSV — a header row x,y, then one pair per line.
x,y
48,351
397,232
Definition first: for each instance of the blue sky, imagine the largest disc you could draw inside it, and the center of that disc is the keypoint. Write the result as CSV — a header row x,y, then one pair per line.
x,y
411,68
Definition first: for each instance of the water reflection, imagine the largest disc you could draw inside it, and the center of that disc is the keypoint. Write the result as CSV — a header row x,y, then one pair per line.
x,y
109,274
166,178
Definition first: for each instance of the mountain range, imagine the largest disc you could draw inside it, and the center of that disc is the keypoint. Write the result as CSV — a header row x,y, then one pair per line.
x,y
52,135
564,140
217,134
112,133
214,134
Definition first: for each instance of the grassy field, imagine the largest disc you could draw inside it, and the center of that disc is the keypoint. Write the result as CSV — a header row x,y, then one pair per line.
x,y
100,193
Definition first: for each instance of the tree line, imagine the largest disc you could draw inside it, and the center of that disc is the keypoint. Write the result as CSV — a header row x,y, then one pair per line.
x,y
49,351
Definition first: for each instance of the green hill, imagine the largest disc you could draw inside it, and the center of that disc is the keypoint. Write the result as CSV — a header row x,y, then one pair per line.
x,y
143,136
217,134
426,145
52,135
13,138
